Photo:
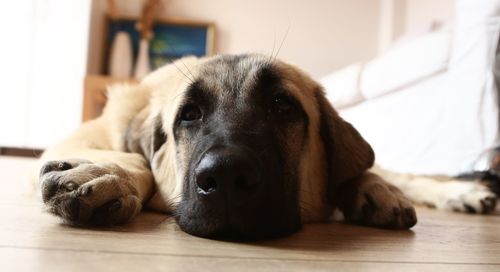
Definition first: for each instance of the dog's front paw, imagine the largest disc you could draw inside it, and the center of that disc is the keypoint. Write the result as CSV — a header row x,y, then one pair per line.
x,y
376,203
86,193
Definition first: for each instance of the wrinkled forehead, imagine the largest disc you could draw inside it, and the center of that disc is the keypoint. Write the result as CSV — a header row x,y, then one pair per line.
x,y
242,76
229,79
231,76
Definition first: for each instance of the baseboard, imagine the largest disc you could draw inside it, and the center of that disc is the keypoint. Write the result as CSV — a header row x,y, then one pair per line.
x,y
20,152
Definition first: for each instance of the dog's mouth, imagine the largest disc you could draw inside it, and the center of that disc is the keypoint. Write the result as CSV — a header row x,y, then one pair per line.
x,y
229,194
237,235
258,220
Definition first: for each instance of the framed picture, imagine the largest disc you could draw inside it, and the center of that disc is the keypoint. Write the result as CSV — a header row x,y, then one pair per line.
x,y
173,38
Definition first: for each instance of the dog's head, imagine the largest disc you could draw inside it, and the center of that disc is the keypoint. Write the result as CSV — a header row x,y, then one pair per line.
x,y
246,145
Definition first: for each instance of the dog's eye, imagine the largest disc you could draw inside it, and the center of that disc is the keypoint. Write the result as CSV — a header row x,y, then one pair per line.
x,y
282,104
191,112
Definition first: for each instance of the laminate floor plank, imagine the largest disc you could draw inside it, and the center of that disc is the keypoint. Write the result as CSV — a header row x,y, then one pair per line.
x,y
32,240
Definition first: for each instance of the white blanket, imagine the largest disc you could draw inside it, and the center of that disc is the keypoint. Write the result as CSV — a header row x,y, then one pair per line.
x,y
438,123
393,71
429,128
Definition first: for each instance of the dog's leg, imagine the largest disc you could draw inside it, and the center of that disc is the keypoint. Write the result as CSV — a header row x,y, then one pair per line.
x,y
444,193
87,179
106,187
371,201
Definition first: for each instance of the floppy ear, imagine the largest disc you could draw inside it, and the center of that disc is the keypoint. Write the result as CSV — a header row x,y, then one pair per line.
x,y
348,154
144,135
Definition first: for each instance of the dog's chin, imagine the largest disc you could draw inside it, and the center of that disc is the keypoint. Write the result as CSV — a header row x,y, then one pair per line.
x,y
218,231
241,227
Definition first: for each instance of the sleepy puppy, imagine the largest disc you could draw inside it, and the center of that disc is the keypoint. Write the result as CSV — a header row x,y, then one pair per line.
x,y
242,145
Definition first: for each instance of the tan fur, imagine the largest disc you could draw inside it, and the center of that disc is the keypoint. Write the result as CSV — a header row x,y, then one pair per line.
x,y
100,141
443,193
313,176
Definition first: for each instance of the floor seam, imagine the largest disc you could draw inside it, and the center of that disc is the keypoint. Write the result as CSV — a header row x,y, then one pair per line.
x,y
234,257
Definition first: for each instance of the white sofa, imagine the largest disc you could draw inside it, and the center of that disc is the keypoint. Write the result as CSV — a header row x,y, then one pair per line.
x,y
429,106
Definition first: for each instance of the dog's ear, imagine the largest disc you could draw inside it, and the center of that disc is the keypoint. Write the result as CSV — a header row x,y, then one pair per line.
x,y
145,135
348,154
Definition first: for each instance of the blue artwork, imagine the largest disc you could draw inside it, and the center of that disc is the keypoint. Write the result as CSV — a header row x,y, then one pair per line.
x,y
170,41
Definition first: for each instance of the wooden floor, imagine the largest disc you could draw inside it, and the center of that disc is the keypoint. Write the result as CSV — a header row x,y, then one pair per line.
x,y
31,240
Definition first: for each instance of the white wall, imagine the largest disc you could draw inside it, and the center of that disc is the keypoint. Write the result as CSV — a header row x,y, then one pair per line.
x,y
43,57
391,22
421,13
324,35
44,50
410,18
13,68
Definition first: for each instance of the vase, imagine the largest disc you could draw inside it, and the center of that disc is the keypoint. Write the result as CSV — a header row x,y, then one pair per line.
x,y
142,64
120,62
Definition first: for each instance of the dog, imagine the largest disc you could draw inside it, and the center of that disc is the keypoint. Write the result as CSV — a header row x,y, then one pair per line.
x,y
231,145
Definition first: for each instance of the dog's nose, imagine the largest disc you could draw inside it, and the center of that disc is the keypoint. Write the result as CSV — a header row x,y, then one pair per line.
x,y
226,169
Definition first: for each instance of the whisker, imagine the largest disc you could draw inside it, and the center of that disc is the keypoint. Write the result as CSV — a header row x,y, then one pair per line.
x,y
177,95
172,199
189,71
283,41
180,70
306,203
184,64
274,47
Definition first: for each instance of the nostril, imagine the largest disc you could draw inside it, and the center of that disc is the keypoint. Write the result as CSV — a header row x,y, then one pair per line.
x,y
224,171
207,186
